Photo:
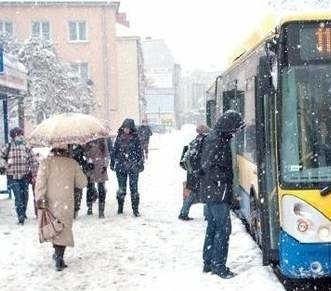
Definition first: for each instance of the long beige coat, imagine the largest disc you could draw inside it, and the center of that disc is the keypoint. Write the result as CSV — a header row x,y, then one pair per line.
x,y
57,177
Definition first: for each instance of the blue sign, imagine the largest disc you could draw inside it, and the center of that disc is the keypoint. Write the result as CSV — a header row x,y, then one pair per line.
x,y
1,60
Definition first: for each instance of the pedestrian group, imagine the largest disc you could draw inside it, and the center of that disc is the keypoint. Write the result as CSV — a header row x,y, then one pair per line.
x,y
59,179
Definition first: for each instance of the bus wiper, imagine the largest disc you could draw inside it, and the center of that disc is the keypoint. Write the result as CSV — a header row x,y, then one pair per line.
x,y
326,191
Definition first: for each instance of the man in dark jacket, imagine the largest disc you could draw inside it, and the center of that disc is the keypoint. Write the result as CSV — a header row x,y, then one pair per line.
x,y
192,177
216,191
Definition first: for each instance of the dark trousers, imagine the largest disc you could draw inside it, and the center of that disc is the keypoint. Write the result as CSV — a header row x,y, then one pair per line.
x,y
94,193
133,183
187,203
216,246
59,249
20,187
78,194
122,179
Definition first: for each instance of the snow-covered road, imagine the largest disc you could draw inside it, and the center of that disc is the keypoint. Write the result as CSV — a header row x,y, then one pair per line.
x,y
153,252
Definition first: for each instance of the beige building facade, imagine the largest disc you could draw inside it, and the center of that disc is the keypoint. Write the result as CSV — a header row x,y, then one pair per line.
x,y
83,34
129,80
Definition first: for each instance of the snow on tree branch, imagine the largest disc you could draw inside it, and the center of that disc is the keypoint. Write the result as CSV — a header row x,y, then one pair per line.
x,y
53,87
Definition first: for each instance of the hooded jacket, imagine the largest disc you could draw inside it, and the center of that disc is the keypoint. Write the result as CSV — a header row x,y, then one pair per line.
x,y
216,162
127,154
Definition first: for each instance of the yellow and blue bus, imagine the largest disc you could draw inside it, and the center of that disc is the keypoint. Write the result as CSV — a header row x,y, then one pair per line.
x,y
280,81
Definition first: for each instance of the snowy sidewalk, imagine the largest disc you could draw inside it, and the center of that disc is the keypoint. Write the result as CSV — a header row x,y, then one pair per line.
x,y
153,252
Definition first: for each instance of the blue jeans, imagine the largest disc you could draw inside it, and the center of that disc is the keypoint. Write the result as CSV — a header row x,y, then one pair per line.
x,y
216,246
187,203
20,188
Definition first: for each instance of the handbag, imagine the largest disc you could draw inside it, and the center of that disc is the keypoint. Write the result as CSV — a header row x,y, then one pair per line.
x,y
49,226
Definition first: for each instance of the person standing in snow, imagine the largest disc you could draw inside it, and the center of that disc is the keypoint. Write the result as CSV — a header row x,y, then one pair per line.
x,y
216,177
97,157
21,166
144,132
192,177
57,177
128,162
78,154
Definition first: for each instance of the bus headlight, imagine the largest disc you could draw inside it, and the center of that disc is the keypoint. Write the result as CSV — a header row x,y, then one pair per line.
x,y
303,225
324,234
304,222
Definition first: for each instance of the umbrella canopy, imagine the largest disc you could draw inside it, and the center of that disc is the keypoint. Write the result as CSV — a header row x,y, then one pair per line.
x,y
68,128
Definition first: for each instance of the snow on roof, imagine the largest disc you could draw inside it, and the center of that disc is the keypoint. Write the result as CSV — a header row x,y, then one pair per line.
x,y
122,30
15,74
114,4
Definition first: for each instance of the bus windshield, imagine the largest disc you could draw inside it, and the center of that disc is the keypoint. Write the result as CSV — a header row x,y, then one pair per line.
x,y
305,145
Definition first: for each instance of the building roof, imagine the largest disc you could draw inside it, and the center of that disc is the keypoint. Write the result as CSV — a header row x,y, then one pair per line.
x,y
113,4
271,24
123,31
157,54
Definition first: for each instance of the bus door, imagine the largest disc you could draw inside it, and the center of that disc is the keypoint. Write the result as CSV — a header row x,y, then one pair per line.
x,y
266,162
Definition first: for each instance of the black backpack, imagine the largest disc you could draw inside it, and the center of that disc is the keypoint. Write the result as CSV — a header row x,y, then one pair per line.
x,y
191,158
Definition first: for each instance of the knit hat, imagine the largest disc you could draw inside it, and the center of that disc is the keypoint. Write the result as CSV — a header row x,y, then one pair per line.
x,y
15,132
201,129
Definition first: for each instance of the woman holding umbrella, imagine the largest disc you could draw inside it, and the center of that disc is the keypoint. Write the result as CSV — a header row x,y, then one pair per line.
x,y
57,177
128,162
59,174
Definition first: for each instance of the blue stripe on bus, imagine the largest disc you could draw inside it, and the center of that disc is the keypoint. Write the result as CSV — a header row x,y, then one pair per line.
x,y
297,260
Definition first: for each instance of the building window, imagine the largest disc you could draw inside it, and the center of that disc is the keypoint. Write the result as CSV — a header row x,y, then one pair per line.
x,y
6,27
81,69
77,31
40,29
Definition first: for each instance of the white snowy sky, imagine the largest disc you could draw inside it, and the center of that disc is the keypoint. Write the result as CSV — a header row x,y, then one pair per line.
x,y
200,34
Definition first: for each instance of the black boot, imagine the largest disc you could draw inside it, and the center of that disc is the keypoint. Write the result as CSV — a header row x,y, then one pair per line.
x,y
58,257
89,208
21,219
101,209
135,204
120,206
120,199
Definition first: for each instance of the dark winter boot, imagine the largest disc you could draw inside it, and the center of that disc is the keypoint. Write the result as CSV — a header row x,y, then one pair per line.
x,y
120,199
89,208
120,206
101,209
58,257
21,219
135,204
